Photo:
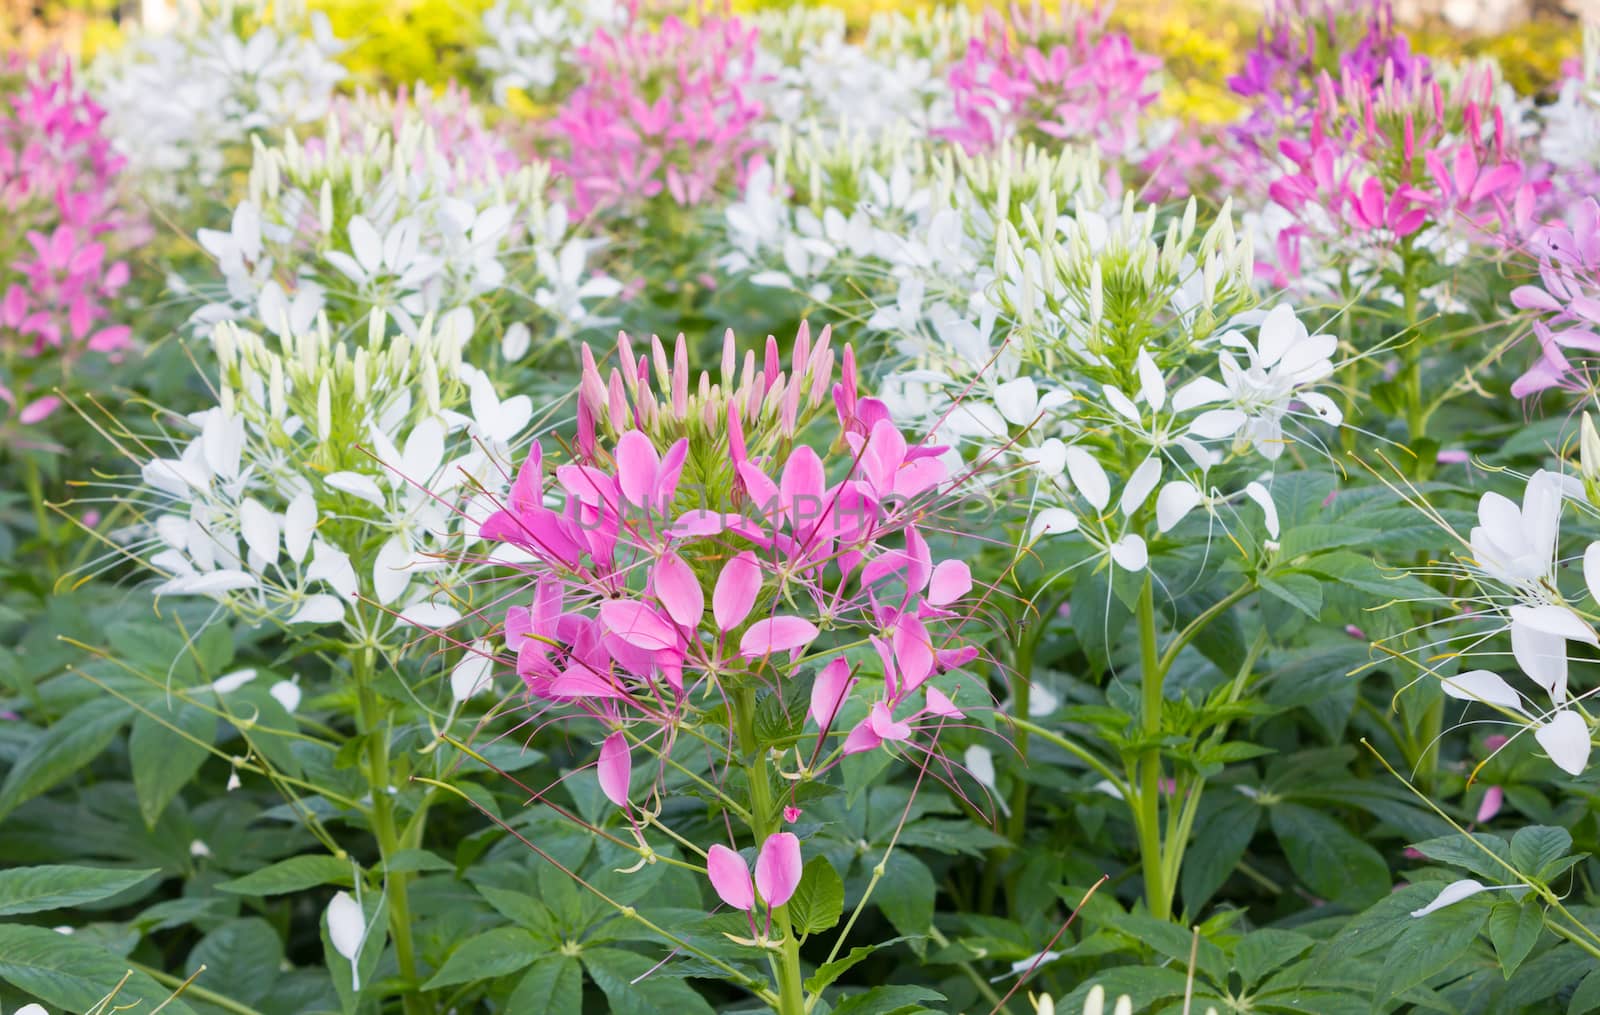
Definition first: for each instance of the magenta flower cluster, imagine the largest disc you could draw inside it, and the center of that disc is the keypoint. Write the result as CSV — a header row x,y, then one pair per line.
x,y
60,275
1566,300
1071,82
670,108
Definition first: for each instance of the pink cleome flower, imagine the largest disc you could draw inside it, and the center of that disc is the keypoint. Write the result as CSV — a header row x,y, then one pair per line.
x,y
59,278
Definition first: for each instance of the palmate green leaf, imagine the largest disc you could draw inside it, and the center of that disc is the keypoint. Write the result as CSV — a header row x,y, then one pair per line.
x,y
491,954
293,875
1317,538
553,985
818,900
163,762
952,835
615,971
1331,861
1260,952
73,975
68,746
37,889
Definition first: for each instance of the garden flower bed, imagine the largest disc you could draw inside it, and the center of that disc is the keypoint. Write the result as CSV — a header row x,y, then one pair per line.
x,y
575,507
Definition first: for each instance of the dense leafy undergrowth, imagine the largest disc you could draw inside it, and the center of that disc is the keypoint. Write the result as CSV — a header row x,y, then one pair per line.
x,y
1152,556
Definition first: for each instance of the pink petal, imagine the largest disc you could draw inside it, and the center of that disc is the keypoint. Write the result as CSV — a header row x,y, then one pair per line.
x,y
776,634
778,868
730,877
736,591
913,651
829,691
638,625
39,409
862,739
882,722
637,463
940,704
951,580
678,590
615,766
1492,799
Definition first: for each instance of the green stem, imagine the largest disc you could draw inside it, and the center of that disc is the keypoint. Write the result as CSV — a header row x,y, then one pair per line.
x,y
1158,895
34,482
375,725
765,823
198,993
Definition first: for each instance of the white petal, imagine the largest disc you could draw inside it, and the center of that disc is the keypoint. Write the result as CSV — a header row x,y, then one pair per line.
x,y
1543,657
424,453
260,530
473,673
1018,401
1452,893
391,571
1591,569
1215,424
1053,521
319,609
287,692
1259,494
357,485
1198,392
431,615
1566,739
1174,502
1558,620
1139,485
1050,458
347,925
1481,685
1130,553
230,682
1088,477
332,565
980,762
366,245
1322,405
1120,402
1151,384
299,521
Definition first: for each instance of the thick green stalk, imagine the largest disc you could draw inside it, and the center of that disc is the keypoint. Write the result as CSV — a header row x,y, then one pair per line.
x,y
1158,894
375,725
765,822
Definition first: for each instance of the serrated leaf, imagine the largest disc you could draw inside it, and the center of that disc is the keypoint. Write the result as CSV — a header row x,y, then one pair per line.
x,y
493,953
818,900
73,975
831,971
1463,851
242,959
163,761
1514,928
1260,952
906,893
37,889
896,998
1301,591
621,976
1538,846
68,746
552,986
292,875
1332,862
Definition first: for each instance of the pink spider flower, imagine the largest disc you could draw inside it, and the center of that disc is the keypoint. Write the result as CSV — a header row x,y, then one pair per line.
x,y
475,150
59,277
1053,81
633,593
1384,160
665,109
1566,300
